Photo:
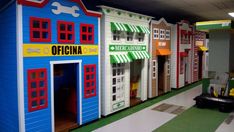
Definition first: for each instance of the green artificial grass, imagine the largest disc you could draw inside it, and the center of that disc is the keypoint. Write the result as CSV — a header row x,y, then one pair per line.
x,y
121,114
195,120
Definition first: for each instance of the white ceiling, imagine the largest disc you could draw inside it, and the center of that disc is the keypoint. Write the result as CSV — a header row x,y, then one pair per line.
x,y
174,10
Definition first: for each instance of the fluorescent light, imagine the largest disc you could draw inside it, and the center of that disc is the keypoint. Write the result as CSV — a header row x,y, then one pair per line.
x,y
231,14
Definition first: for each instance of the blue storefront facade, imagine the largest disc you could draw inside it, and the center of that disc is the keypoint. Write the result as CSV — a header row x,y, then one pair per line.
x,y
60,63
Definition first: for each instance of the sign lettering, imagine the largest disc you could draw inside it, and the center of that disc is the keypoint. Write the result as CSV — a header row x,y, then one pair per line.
x,y
122,48
39,50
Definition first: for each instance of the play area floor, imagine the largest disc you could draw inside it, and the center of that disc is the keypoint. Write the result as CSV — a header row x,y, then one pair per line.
x,y
174,111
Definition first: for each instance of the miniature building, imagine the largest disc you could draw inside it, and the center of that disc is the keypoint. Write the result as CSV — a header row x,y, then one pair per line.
x,y
56,64
199,55
182,54
124,62
160,48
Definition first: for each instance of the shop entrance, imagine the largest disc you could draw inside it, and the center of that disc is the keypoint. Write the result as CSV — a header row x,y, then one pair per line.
x,y
135,82
161,74
200,64
65,96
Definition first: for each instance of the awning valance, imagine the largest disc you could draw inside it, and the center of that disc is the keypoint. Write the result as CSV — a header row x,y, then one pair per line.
x,y
163,52
183,54
202,48
120,58
132,28
144,29
116,26
136,55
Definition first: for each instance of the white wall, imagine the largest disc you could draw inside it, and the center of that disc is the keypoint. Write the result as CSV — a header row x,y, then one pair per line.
x,y
173,55
231,60
219,51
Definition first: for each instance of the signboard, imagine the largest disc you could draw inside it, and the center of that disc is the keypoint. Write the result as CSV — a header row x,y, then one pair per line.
x,y
219,24
43,50
118,105
199,43
122,48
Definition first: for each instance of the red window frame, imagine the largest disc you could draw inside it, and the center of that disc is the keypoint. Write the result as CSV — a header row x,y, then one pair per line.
x,y
66,31
37,89
86,33
40,29
89,81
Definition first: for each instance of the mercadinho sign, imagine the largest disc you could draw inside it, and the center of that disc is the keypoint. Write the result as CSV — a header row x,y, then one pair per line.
x,y
39,50
127,48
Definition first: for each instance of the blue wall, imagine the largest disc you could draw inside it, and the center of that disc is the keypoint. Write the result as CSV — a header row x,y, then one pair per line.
x,y
41,119
47,13
8,71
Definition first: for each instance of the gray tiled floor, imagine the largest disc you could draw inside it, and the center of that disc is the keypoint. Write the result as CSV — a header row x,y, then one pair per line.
x,y
224,127
147,119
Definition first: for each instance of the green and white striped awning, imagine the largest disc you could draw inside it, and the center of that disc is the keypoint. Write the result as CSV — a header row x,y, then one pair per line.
x,y
144,29
116,26
120,58
136,55
132,28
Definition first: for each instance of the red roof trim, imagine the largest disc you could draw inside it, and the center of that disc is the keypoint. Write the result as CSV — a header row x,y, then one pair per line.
x,y
30,3
40,5
86,11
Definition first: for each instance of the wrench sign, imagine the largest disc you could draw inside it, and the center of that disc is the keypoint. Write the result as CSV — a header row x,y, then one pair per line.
x,y
64,9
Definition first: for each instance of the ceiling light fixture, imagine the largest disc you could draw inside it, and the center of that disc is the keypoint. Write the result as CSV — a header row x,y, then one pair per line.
x,y
231,14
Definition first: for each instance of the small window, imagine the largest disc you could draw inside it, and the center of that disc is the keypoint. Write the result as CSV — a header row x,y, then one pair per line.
x,y
116,35
66,32
37,89
40,30
154,69
162,34
156,33
140,37
89,83
114,81
129,36
87,33
113,97
118,82
168,67
168,35
114,90
184,37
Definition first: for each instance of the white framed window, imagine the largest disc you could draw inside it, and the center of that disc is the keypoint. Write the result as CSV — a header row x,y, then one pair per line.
x,y
162,34
140,37
154,70
156,33
116,35
168,66
168,34
129,36
118,83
